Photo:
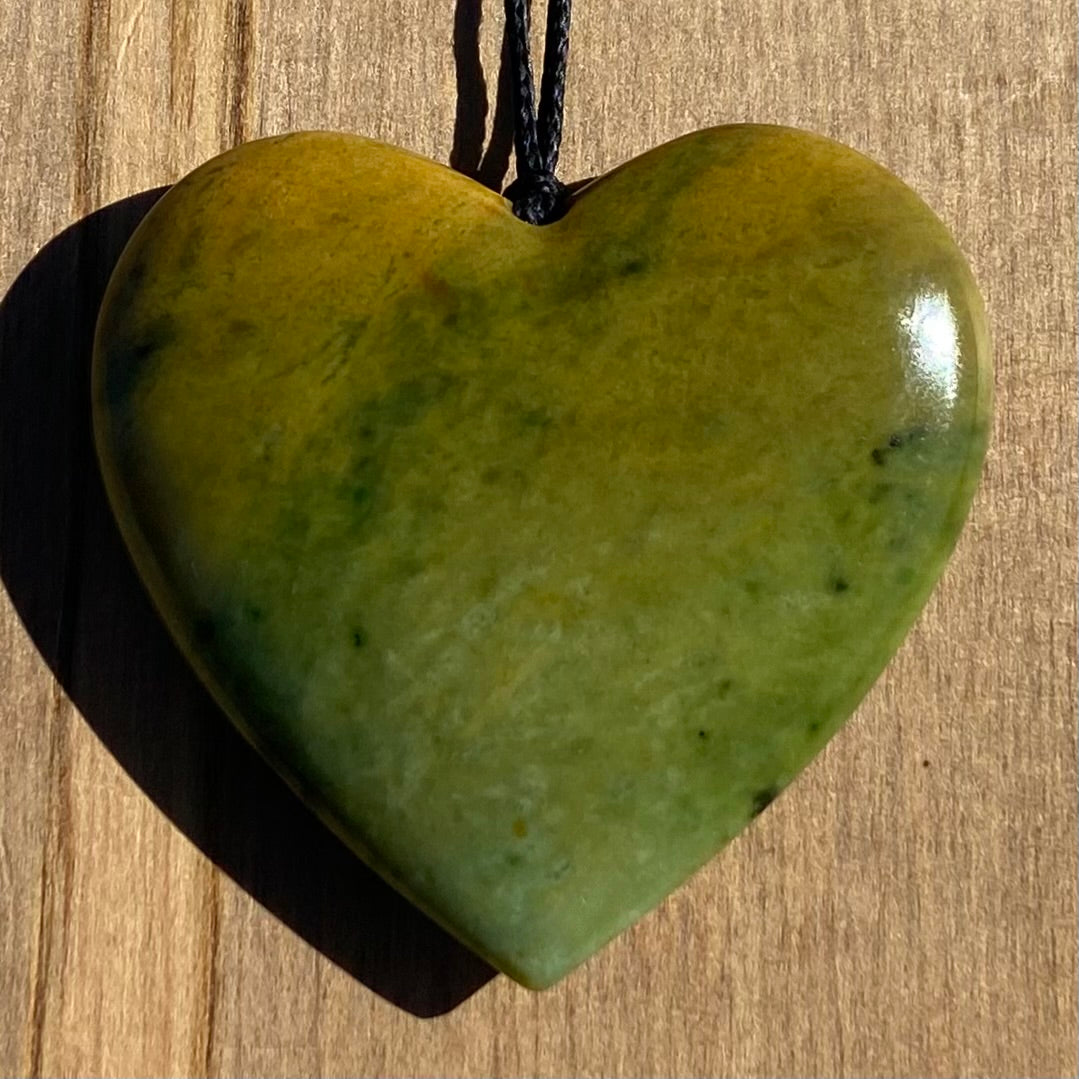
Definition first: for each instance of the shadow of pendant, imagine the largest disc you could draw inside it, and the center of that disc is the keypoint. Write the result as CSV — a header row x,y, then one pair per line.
x,y
72,584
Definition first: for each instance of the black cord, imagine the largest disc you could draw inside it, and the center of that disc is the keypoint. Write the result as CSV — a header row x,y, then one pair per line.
x,y
537,196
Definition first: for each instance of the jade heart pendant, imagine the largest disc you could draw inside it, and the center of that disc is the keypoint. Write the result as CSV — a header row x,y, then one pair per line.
x,y
539,559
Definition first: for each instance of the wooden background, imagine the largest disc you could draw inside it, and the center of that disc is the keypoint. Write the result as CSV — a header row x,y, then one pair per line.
x,y
908,908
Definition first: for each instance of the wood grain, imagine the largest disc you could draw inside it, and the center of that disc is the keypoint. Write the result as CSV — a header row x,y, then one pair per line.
x,y
907,908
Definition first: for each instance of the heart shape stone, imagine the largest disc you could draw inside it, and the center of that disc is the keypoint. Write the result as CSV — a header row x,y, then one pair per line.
x,y
540,559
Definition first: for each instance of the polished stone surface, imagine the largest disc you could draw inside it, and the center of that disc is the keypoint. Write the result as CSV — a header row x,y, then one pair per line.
x,y
539,560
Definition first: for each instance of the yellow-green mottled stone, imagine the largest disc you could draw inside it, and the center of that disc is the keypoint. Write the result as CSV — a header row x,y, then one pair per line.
x,y
540,559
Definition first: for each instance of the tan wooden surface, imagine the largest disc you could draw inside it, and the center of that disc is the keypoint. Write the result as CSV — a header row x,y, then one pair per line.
x,y
907,908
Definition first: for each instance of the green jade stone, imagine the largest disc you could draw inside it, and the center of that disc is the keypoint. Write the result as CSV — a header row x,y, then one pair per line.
x,y
540,559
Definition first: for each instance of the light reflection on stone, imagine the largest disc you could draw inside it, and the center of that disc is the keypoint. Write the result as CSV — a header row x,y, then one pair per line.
x,y
933,341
